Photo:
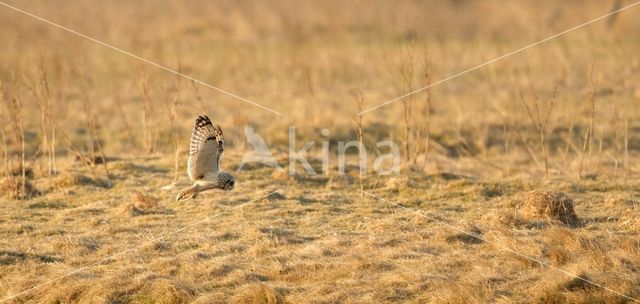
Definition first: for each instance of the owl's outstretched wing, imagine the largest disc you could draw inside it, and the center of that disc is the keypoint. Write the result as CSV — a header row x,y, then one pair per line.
x,y
207,144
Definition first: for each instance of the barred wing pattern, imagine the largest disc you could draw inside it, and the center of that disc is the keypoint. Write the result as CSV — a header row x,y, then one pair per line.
x,y
207,144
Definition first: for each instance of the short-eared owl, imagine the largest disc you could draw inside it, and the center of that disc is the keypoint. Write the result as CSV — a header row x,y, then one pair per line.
x,y
203,166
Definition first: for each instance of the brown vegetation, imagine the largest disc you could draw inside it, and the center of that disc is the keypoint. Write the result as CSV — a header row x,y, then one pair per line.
x,y
90,138
552,205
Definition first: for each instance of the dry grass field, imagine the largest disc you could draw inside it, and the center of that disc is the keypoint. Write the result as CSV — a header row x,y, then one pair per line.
x,y
519,181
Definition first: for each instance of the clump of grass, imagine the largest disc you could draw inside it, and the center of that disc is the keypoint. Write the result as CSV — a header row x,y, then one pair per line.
x,y
503,218
551,205
16,188
143,204
144,201
472,236
68,180
162,290
257,294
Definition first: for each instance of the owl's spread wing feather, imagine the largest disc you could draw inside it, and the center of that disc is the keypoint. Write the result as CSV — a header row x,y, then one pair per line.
x,y
207,144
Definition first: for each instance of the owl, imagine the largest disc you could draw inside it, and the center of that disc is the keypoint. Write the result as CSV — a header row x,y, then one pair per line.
x,y
203,166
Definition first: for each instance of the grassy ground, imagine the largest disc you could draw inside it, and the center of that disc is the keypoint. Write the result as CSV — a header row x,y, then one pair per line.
x,y
560,117
318,241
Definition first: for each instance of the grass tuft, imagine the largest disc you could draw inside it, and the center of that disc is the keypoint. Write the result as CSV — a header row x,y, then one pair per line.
x,y
550,205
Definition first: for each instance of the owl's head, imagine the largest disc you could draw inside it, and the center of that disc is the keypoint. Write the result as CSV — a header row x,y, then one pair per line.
x,y
226,181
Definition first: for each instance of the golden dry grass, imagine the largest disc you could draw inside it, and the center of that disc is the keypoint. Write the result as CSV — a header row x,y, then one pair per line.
x,y
319,240
552,205
314,244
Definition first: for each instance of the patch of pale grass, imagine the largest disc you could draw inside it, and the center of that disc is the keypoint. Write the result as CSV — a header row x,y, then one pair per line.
x,y
257,293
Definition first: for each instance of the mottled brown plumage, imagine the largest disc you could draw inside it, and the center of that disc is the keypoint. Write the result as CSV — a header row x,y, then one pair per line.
x,y
203,166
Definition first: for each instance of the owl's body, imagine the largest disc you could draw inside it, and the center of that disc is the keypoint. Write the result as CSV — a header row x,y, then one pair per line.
x,y
203,166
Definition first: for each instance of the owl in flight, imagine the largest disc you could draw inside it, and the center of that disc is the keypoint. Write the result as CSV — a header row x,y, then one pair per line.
x,y
203,166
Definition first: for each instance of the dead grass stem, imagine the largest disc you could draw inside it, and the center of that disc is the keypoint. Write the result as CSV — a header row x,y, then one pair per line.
x,y
588,138
360,135
97,152
540,120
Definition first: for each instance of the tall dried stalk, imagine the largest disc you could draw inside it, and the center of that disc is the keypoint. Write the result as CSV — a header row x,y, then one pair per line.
x,y
125,121
588,138
71,147
43,147
173,118
426,111
540,121
416,128
18,133
625,157
507,122
147,134
45,105
91,125
20,118
5,145
405,72
360,133
5,150
618,123
407,80
50,118
95,146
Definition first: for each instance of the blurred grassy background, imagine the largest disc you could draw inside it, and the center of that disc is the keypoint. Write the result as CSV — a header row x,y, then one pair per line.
x,y
306,58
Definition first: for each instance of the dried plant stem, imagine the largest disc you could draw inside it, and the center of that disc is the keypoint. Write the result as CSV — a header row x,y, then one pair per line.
x,y
22,157
569,142
417,126
541,122
360,133
407,131
44,144
45,103
104,164
52,144
94,140
146,113
406,107
86,106
71,147
125,121
427,114
5,145
625,161
588,138
18,124
5,151
173,111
